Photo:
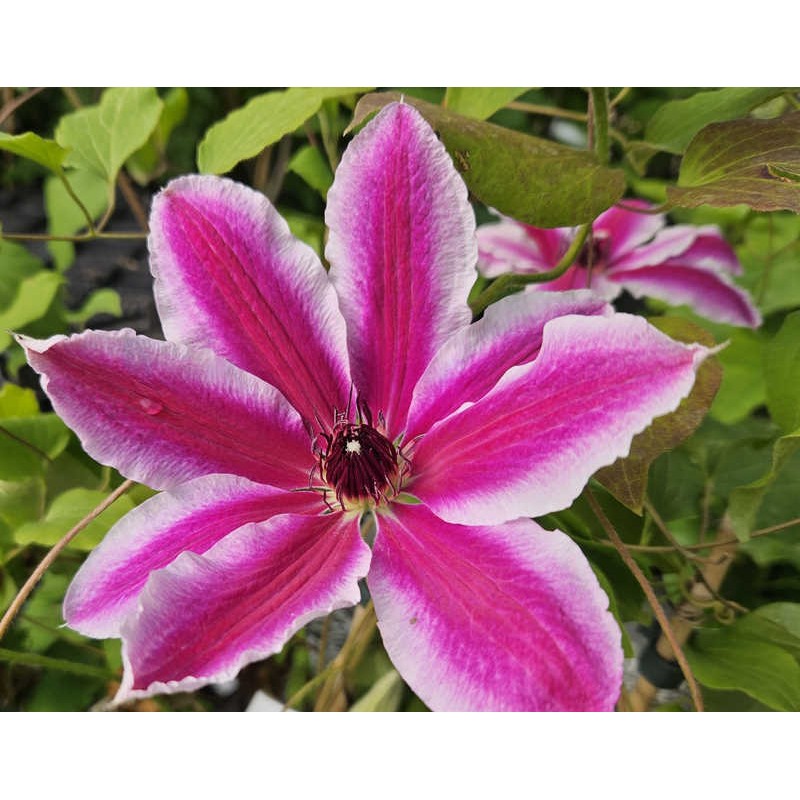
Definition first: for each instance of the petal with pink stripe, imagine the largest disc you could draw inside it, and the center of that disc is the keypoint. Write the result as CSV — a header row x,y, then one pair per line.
x,y
204,617
503,618
191,517
625,230
511,246
529,446
709,292
162,413
474,359
230,276
402,252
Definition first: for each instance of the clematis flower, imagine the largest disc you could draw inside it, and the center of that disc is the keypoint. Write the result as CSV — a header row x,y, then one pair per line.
x,y
679,264
288,402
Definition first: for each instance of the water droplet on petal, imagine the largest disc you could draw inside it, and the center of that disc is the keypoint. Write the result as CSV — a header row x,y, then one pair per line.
x,y
149,406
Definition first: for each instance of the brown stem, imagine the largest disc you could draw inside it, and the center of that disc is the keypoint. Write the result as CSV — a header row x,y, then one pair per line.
x,y
548,111
55,550
132,199
12,105
661,616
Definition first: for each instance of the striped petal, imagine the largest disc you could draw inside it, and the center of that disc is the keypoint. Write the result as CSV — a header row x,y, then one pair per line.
x,y
204,617
504,618
475,358
402,253
511,246
529,446
625,230
162,413
230,276
192,517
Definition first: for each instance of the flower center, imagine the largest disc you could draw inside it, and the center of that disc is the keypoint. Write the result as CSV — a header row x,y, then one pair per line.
x,y
598,248
359,463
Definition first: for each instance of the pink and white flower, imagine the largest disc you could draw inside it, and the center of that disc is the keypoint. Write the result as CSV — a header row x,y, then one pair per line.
x,y
370,384
679,264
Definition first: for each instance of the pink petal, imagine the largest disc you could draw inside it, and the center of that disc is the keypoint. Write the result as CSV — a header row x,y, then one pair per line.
x,y
162,413
530,445
511,246
204,617
230,276
193,517
667,243
626,230
505,618
710,293
711,251
475,358
402,252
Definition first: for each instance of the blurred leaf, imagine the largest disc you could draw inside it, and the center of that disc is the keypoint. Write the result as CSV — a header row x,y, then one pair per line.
x,y
102,301
16,264
245,132
746,500
28,145
626,478
750,161
21,501
776,623
148,162
533,180
17,402
24,441
312,167
8,590
770,255
385,695
66,511
42,613
627,647
729,658
479,102
675,123
102,137
782,374
32,300
36,660
56,691
742,387
64,215
309,229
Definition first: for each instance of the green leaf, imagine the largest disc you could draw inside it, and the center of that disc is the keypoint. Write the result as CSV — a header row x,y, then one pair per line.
x,y
312,167
24,443
102,301
746,500
66,511
385,695
63,213
28,145
148,162
307,228
8,590
626,478
782,374
102,137
67,692
16,264
731,658
17,402
744,161
533,180
60,664
765,672
245,132
42,613
479,102
31,302
21,501
675,123
776,623
627,646
742,387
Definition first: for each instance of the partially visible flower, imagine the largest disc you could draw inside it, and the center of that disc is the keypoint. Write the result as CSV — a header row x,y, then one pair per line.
x,y
288,402
679,264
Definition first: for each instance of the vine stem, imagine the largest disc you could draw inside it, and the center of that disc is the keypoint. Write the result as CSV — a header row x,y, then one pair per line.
x,y
52,555
598,117
663,621
547,111
511,282
9,108
79,237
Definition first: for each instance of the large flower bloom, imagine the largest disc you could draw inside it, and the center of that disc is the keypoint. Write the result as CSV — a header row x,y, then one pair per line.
x,y
679,264
369,385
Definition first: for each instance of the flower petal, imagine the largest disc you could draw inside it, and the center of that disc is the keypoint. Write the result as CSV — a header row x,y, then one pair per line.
x,y
202,618
505,618
162,413
710,293
530,445
230,276
193,517
474,359
511,246
625,230
402,252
